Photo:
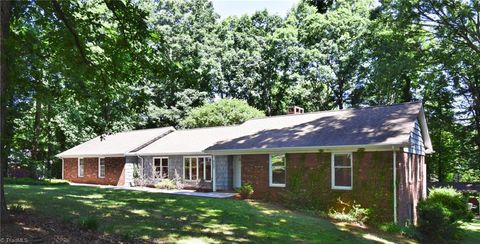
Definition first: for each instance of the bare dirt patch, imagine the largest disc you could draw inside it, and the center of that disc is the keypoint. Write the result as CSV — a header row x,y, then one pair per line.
x,y
25,227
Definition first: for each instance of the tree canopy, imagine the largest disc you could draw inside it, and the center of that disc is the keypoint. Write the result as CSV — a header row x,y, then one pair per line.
x,y
71,70
221,113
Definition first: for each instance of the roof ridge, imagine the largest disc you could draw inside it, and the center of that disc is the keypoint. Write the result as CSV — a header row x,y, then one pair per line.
x,y
334,111
211,127
129,131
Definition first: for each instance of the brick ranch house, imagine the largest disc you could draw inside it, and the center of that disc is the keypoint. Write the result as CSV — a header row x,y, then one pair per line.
x,y
372,156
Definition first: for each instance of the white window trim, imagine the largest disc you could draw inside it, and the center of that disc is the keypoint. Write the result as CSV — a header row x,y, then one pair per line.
x,y
270,183
78,167
197,162
161,166
333,171
104,168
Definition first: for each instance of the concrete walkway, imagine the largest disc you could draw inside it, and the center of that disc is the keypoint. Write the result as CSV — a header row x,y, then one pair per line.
x,y
155,190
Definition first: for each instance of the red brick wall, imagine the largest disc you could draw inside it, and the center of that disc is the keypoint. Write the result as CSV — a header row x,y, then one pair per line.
x,y
410,191
255,171
114,171
310,174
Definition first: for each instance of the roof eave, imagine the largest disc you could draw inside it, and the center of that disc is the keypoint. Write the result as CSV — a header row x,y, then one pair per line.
x,y
90,155
427,142
367,147
166,153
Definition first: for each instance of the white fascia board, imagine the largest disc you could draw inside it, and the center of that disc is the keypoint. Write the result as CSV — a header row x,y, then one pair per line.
x,y
167,154
91,155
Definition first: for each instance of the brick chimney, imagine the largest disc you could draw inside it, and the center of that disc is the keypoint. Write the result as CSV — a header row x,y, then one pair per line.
x,y
295,110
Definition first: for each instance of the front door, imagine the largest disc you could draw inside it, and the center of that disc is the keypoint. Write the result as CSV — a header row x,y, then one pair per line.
x,y
237,172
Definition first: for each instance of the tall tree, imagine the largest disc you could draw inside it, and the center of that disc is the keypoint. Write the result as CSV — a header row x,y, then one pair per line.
x,y
339,33
74,64
5,12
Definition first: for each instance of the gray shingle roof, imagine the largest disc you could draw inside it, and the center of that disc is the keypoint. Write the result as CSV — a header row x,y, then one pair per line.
x,y
380,125
189,141
116,144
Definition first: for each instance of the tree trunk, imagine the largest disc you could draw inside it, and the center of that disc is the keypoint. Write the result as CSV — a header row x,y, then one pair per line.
x,y
406,93
340,92
5,11
475,91
37,126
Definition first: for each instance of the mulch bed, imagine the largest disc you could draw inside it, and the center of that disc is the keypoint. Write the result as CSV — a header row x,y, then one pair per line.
x,y
25,227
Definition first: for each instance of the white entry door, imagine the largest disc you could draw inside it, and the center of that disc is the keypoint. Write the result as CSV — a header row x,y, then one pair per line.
x,y
237,172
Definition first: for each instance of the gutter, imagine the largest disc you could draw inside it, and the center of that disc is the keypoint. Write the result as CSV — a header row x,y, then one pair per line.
x,y
367,147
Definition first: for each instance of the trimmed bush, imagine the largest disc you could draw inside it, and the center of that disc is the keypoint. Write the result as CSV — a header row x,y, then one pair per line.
x,y
455,201
166,184
440,215
246,190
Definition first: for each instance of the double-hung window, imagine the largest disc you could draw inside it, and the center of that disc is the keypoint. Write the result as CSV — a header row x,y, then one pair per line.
x,y
277,170
101,167
80,167
342,176
160,167
197,168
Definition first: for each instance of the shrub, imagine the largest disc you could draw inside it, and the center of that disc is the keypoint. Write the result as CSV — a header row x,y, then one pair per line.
x,y
246,190
88,223
440,215
407,230
166,184
455,201
355,213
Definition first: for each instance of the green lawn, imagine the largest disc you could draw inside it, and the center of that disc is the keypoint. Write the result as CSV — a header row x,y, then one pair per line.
x,y
164,217
472,231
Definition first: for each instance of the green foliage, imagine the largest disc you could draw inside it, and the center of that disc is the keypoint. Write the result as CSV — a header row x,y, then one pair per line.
x,y
440,215
436,222
246,190
221,113
16,208
391,227
452,200
355,213
167,184
88,223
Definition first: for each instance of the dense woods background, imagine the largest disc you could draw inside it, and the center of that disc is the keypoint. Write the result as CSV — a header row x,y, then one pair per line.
x,y
76,69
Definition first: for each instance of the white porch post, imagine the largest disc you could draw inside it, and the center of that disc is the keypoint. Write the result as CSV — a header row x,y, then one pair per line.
x,y
63,169
214,174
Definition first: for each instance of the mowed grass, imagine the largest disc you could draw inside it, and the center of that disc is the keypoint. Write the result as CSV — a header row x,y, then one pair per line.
x,y
471,233
173,218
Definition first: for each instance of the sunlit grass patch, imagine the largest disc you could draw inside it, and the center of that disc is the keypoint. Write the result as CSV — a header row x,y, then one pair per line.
x,y
172,218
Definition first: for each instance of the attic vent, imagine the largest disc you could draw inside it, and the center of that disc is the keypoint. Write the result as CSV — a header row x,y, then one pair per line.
x,y
295,110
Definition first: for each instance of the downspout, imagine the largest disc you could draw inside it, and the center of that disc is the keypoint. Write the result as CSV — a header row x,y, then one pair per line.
x,y
214,174
63,169
394,185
